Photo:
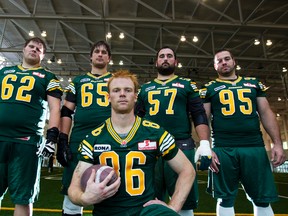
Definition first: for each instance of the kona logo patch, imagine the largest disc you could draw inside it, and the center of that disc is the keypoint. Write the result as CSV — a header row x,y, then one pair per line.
x,y
102,147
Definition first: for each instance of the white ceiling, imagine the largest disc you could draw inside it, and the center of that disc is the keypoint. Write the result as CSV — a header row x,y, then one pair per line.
x,y
73,25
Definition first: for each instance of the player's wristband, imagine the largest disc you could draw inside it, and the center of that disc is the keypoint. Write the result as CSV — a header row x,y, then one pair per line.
x,y
205,143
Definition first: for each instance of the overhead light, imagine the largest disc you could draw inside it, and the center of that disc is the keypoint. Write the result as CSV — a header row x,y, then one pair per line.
x,y
52,59
268,42
31,33
59,61
195,39
238,67
109,35
111,62
180,65
43,34
278,115
69,80
279,99
256,42
61,79
121,62
284,69
121,35
183,38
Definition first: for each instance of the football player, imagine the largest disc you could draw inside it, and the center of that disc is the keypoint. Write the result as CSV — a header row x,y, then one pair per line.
x,y
170,100
87,97
235,105
130,145
27,90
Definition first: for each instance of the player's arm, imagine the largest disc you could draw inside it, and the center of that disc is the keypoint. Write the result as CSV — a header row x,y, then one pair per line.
x,y
186,175
64,154
215,161
52,132
66,116
270,124
94,192
199,118
54,107
200,121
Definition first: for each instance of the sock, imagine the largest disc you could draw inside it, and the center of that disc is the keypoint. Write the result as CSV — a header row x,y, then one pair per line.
x,y
262,211
224,211
70,208
186,212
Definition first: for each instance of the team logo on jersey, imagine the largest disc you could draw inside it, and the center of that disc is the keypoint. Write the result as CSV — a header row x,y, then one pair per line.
x,y
102,147
178,85
85,80
147,145
106,79
150,88
9,71
249,85
219,88
39,74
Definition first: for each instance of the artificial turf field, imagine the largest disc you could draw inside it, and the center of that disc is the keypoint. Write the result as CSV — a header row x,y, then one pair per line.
x,y
50,200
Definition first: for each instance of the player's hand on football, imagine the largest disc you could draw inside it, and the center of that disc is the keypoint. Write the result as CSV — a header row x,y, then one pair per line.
x,y
97,192
214,163
64,154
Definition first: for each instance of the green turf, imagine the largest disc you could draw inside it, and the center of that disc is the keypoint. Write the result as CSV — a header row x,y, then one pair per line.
x,y
50,198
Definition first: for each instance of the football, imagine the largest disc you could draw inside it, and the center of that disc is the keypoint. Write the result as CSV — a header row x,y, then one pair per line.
x,y
102,171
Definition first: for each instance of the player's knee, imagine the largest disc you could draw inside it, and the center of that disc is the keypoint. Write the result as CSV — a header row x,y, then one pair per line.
x,y
226,203
263,205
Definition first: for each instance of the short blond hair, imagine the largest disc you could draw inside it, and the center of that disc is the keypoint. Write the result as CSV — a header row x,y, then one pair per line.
x,y
124,74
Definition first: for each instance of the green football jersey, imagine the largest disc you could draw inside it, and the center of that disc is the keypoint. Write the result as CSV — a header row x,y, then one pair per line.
x,y
89,93
132,157
166,103
23,102
235,121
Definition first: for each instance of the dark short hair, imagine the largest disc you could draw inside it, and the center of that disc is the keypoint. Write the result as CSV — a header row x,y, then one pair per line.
x,y
166,47
223,50
36,40
98,44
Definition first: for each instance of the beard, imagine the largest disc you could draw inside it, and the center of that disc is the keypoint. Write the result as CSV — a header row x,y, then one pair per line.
x,y
165,71
227,73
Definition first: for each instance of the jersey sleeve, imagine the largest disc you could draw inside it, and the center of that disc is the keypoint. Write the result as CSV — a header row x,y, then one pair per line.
x,y
262,89
53,88
71,93
167,146
85,151
205,93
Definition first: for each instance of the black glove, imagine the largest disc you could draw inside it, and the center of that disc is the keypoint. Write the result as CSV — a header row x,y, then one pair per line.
x,y
51,140
64,154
